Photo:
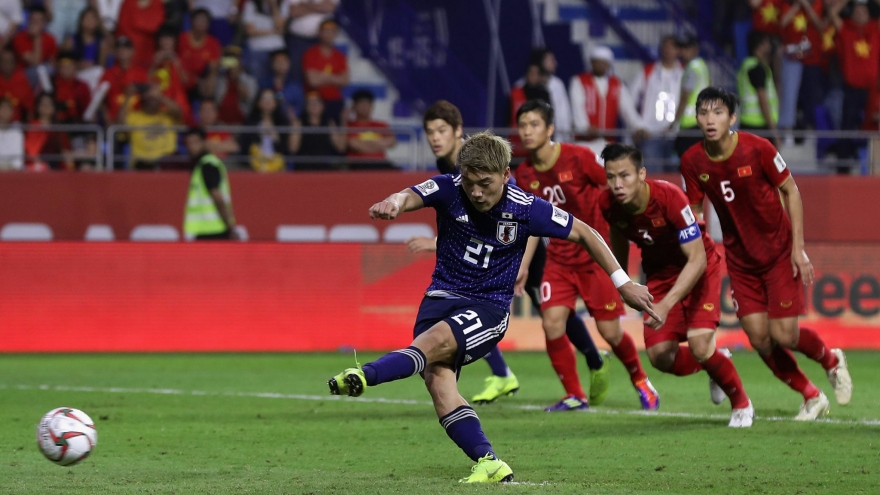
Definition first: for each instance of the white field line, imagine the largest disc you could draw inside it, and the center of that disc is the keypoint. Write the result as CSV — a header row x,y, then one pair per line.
x,y
409,402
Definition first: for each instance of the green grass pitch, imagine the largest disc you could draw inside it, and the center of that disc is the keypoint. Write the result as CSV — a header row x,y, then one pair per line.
x,y
265,424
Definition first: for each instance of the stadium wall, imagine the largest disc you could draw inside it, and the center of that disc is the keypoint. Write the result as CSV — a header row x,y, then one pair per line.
x,y
209,297
837,209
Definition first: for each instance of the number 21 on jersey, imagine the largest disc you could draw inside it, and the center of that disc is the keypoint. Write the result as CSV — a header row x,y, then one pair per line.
x,y
476,248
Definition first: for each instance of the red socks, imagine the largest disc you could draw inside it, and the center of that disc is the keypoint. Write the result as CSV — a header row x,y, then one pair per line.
x,y
685,363
564,361
784,366
629,356
812,346
720,368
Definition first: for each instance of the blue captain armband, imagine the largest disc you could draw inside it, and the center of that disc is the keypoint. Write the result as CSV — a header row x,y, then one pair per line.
x,y
689,233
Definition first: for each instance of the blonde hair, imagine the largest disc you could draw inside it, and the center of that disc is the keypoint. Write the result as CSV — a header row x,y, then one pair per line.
x,y
484,152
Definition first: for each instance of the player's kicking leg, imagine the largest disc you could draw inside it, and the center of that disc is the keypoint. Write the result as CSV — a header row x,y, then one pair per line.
x,y
502,382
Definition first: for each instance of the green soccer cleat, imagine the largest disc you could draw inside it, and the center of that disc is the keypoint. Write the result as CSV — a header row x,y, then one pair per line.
x,y
351,381
497,386
600,380
489,470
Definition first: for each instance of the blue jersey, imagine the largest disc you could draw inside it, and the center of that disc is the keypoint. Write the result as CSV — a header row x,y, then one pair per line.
x,y
479,254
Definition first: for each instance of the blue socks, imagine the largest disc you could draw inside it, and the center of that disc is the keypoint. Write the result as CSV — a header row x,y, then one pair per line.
x,y
463,427
579,336
395,365
497,363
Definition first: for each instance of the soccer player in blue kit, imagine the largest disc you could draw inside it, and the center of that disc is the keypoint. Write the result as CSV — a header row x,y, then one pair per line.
x,y
483,227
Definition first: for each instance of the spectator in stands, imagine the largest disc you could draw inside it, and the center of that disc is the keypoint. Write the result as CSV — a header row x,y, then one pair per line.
x,y
304,22
318,150
46,148
598,98
268,149
368,139
264,25
11,138
155,139
236,89
757,91
224,17
280,81
694,79
658,88
220,143
11,17
532,87
326,70
199,54
558,94
64,17
859,42
121,79
15,87
167,70
34,46
88,43
139,21
765,18
108,10
801,26
72,96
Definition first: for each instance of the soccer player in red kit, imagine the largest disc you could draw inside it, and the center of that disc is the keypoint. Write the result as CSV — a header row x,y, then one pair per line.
x,y
684,276
571,178
744,176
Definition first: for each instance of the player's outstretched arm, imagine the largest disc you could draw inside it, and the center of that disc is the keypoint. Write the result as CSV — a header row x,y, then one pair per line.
x,y
800,262
634,294
394,205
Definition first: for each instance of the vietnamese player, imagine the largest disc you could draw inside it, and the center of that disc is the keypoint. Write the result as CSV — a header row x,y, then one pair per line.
x,y
743,175
683,275
570,177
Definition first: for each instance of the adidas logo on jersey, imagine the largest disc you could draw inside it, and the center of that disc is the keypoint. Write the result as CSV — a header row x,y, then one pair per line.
x,y
462,219
468,358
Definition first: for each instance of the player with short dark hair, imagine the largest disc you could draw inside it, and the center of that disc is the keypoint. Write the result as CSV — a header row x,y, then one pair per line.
x,y
684,276
484,225
744,177
571,177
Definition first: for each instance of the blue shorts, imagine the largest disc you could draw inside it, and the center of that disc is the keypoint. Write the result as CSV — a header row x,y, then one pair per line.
x,y
477,326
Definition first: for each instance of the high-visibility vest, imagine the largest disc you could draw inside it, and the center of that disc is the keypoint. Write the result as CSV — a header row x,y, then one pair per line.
x,y
751,114
699,67
201,216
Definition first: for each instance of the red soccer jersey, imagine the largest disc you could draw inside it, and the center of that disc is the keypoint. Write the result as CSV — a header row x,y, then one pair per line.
x,y
119,79
744,190
859,54
365,131
22,44
18,89
140,24
573,183
800,28
765,17
333,63
193,58
73,96
659,230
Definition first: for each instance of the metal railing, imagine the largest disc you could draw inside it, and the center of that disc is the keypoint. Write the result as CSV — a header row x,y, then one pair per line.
x,y
81,144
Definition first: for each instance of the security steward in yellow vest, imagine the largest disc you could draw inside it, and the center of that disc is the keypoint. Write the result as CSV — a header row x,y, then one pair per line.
x,y
757,90
694,79
208,214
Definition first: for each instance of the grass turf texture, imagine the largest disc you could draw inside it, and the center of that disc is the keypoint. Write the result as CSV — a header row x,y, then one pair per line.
x,y
262,423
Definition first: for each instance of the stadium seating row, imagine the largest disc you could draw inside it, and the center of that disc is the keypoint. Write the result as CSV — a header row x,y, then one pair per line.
x,y
364,233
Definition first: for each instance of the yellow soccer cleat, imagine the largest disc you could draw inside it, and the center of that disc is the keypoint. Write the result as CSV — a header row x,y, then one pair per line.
x,y
497,386
489,470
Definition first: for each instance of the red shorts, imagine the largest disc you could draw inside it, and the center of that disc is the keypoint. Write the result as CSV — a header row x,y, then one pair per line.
x,y
701,308
773,291
562,285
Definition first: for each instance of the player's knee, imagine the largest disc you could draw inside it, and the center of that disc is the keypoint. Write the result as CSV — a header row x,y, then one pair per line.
x,y
762,343
610,331
786,340
785,332
702,344
662,357
554,327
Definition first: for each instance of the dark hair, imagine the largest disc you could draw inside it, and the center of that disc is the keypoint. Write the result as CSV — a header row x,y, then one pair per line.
x,y
537,56
445,111
38,9
7,101
363,94
166,31
716,93
542,107
669,38
200,11
195,131
619,151
754,40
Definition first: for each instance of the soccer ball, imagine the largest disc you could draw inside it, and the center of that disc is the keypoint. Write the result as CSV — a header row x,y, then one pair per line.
x,y
66,435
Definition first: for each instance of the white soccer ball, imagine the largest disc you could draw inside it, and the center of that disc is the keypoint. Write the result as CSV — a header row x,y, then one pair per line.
x,y
66,435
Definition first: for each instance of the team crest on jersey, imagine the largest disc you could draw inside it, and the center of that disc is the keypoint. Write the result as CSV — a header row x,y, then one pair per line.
x,y
658,222
708,306
506,232
566,176
744,171
704,177
535,185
